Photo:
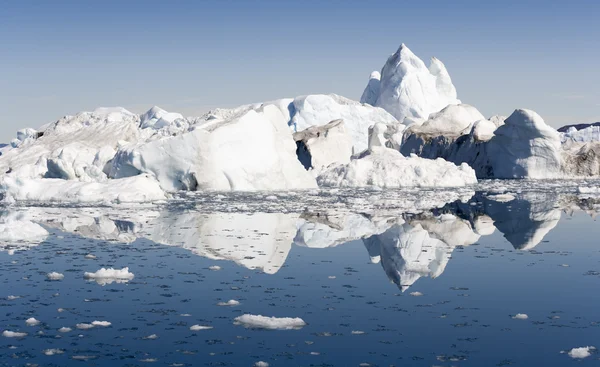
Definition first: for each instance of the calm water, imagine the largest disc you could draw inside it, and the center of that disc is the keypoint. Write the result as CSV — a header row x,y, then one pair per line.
x,y
380,278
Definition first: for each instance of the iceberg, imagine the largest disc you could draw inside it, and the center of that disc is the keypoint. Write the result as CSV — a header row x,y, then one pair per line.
x,y
254,151
386,168
408,89
272,323
521,147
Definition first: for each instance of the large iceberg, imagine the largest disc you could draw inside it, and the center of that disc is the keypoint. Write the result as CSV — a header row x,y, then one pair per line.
x,y
408,89
254,151
523,146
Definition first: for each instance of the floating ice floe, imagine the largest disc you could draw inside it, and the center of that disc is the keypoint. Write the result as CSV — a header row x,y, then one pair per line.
x,y
581,352
101,323
231,302
110,275
55,276
32,321
52,352
13,334
273,323
200,327
520,316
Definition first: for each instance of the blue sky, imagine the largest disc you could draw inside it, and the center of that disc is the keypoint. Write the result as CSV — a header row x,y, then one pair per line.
x,y
62,57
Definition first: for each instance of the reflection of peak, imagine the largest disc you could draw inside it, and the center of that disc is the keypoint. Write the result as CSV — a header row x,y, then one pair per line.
x,y
409,253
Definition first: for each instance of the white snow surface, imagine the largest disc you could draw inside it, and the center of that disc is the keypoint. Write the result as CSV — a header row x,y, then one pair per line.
x,y
320,109
384,167
321,146
254,151
525,147
452,120
273,323
409,90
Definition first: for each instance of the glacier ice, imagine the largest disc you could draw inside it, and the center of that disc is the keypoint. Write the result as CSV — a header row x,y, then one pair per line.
x,y
385,167
408,89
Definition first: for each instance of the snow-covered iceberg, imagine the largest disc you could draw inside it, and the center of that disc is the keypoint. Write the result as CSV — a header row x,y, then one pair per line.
x,y
408,89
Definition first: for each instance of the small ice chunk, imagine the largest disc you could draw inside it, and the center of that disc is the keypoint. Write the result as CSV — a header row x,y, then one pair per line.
x,y
261,364
214,267
90,256
357,332
10,298
84,326
13,334
231,302
273,323
581,352
200,327
110,275
101,323
151,337
51,352
64,329
32,321
55,276
520,316
416,294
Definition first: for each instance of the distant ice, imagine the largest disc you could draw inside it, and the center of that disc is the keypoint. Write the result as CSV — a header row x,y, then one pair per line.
x,y
64,329
32,321
55,276
261,364
581,352
101,323
51,352
214,267
200,327
84,326
110,275
13,334
273,323
520,316
231,302
416,294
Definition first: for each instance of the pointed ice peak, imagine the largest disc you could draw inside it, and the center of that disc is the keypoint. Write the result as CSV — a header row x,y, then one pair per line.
x,y
403,57
154,112
408,89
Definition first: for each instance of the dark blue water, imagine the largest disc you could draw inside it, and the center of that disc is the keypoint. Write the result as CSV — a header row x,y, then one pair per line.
x,y
462,314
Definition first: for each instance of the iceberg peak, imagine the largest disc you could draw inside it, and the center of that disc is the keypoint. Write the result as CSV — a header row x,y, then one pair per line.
x,y
408,89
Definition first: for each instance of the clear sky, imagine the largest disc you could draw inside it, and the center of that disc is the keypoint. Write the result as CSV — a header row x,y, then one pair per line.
x,y
61,57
